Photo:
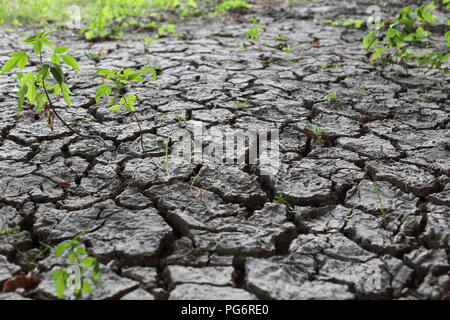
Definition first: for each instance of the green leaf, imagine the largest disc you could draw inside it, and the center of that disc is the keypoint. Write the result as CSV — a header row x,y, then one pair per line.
x,y
70,61
59,250
9,65
44,70
56,59
27,78
102,90
40,98
134,76
128,100
60,277
61,50
57,73
72,257
81,251
66,93
22,92
114,108
57,90
103,72
38,47
31,92
86,287
88,262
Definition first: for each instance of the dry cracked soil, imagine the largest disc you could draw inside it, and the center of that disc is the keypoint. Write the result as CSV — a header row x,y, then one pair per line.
x,y
366,213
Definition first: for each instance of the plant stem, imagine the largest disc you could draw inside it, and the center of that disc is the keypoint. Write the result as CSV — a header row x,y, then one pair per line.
x,y
138,122
58,116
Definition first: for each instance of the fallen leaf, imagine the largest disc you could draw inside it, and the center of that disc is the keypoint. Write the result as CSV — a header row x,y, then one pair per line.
x,y
28,283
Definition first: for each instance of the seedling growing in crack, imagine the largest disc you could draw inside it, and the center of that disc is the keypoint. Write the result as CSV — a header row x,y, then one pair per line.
x,y
35,87
79,271
362,91
253,33
280,199
167,29
392,41
149,40
243,104
93,56
314,131
10,231
331,96
240,46
179,120
283,44
115,86
380,207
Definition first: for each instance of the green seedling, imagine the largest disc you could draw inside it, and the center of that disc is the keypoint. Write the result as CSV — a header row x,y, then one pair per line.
x,y
331,96
392,41
10,231
243,104
240,46
78,273
280,199
166,30
380,207
179,119
330,66
317,131
229,5
149,40
37,87
357,23
362,91
116,80
93,56
253,34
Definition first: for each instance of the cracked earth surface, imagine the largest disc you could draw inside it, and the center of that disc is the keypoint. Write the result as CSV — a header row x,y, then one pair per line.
x,y
205,232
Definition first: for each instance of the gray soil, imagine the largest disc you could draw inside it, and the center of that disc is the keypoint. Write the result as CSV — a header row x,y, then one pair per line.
x,y
208,232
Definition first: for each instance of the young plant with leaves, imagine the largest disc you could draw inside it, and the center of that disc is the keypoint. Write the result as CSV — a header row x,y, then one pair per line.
x,y
35,87
392,42
314,131
78,273
116,80
253,32
280,199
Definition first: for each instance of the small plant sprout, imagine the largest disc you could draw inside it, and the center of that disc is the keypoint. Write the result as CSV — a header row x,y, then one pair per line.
x,y
362,91
240,46
10,231
166,29
243,104
78,271
253,33
315,131
357,23
331,96
280,199
93,56
391,41
36,87
115,86
179,119
380,207
231,4
283,44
